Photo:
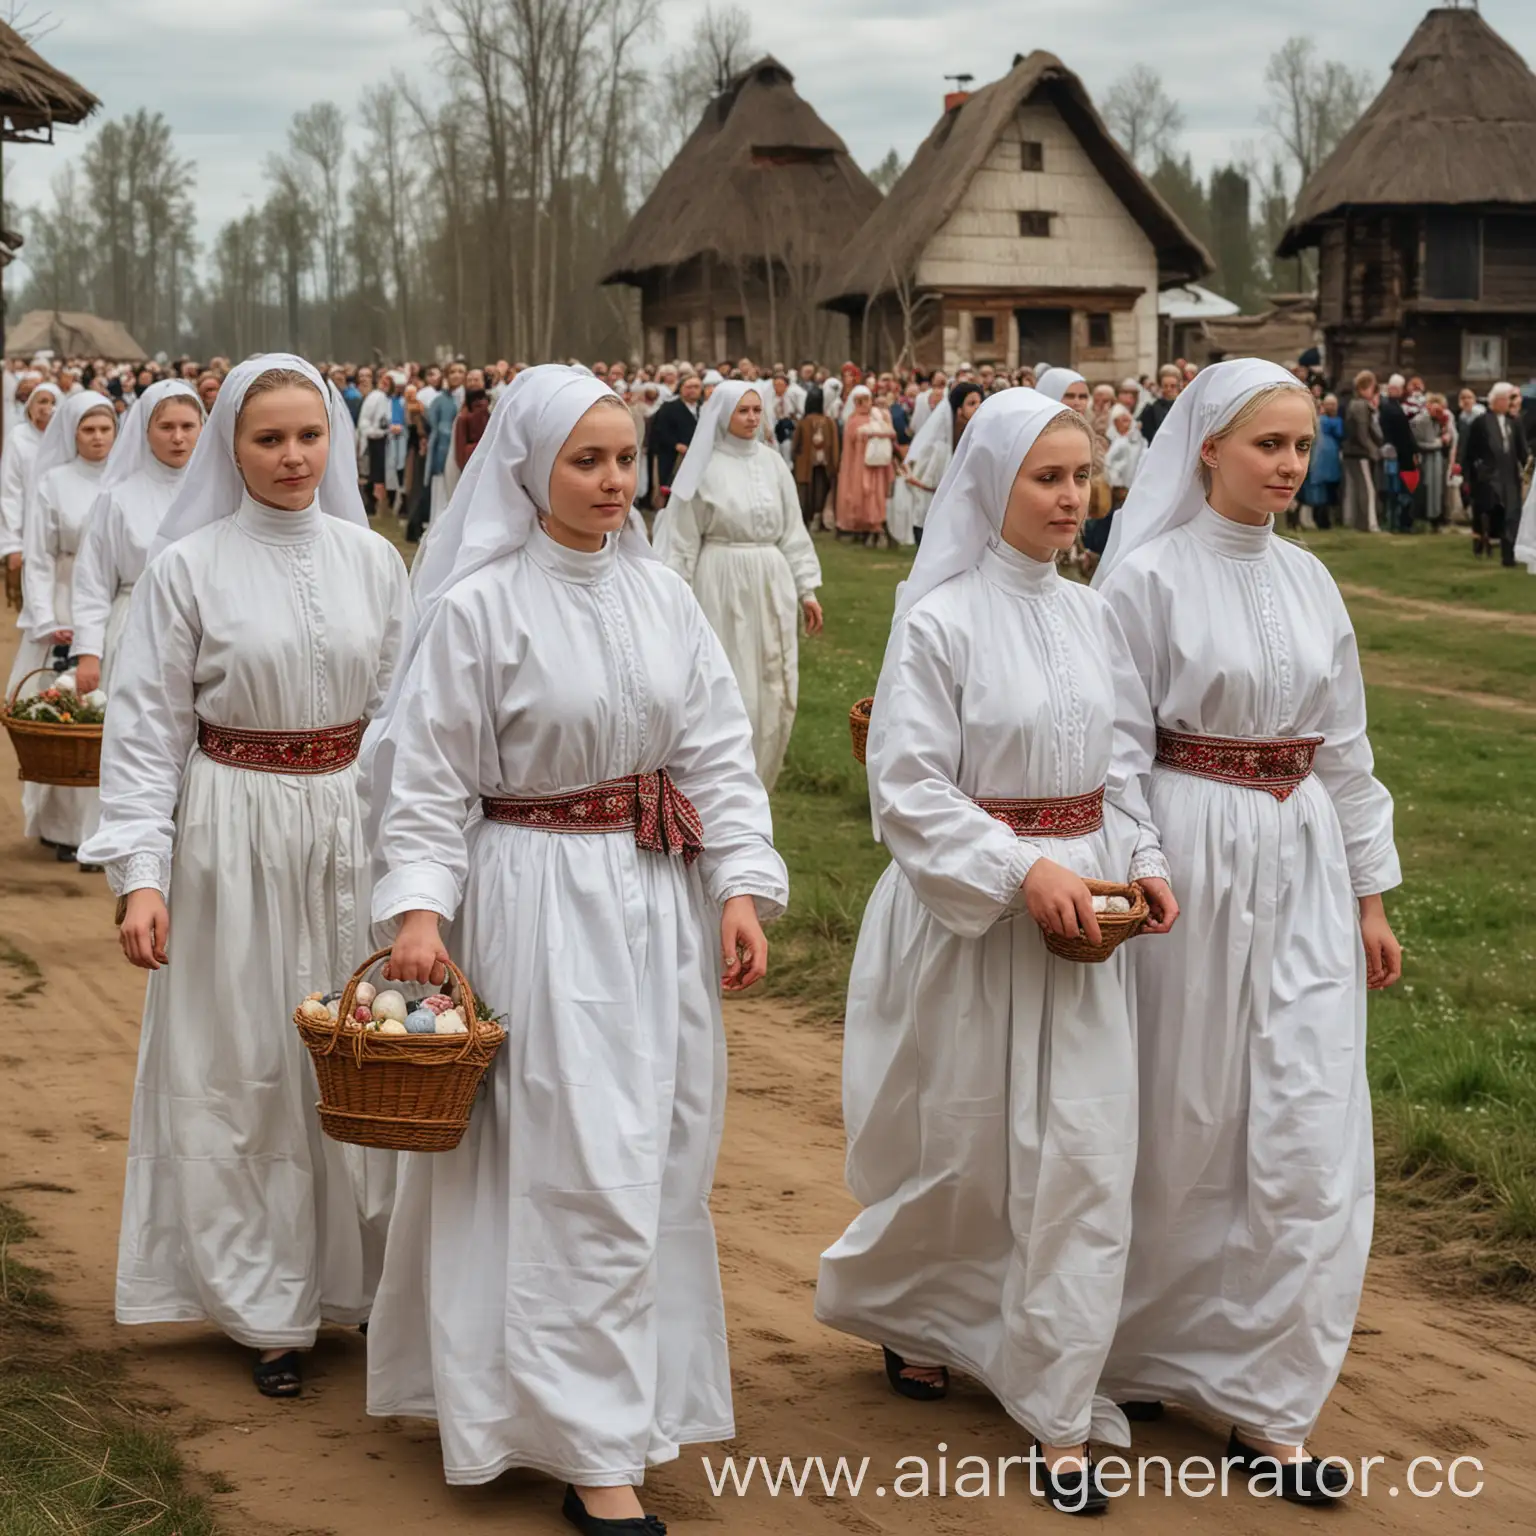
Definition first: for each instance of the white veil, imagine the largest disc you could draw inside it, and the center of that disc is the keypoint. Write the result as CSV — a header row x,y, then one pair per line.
x,y
714,423
131,452
1055,382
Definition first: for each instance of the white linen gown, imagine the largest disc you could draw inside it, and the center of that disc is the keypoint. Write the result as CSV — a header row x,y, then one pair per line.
x,y
237,1210
989,1088
1256,1183
56,520
21,444
742,544
111,559
551,1293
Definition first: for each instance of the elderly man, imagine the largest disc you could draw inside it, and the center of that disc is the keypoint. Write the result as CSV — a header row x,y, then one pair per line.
x,y
1170,380
1496,452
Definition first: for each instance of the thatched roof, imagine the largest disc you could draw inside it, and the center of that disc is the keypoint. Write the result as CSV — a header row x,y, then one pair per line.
x,y
1454,124
71,333
760,175
932,186
33,94
1281,334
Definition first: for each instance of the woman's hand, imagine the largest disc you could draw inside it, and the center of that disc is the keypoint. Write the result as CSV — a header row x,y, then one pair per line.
x,y
1165,908
13,560
814,621
1383,954
145,931
1060,901
63,636
743,949
418,953
87,674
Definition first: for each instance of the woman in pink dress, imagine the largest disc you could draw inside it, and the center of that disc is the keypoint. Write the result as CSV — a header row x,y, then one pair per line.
x,y
868,469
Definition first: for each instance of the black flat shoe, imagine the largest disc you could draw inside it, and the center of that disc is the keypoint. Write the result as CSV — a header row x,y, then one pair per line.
x,y
1077,1492
280,1377
62,854
1146,1411
918,1391
637,1525
1301,1482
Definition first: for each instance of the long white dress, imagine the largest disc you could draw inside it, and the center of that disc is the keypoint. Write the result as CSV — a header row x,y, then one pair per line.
x,y
742,544
237,1210
21,444
1256,1183
551,1293
56,519
111,560
989,1088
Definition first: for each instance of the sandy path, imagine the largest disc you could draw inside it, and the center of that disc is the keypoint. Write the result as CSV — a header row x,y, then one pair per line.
x,y
1424,1378
1427,608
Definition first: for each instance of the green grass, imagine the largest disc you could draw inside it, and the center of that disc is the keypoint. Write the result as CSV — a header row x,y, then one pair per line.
x,y
1453,1048
75,1458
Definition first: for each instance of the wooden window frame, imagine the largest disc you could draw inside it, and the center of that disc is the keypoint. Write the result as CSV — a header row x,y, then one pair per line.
x,y
1031,155
1030,219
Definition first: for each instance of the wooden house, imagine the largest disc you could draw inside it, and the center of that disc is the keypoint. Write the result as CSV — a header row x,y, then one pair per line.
x,y
1424,217
729,248
1020,232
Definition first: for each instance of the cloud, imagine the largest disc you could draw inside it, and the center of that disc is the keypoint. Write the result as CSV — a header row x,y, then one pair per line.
x,y
228,75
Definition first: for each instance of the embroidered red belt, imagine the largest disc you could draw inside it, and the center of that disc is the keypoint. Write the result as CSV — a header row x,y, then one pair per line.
x,y
1276,766
648,804
326,751
1075,816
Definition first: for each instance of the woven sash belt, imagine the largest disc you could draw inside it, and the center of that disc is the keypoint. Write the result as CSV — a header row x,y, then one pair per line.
x,y
1276,766
1076,816
327,751
648,804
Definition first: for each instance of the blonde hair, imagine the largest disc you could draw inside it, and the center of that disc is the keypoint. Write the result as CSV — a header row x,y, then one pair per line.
x,y
279,378
1245,413
1069,418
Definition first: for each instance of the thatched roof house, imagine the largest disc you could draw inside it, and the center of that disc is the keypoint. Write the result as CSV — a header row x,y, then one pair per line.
x,y
34,95
1021,231
1424,217
729,247
71,333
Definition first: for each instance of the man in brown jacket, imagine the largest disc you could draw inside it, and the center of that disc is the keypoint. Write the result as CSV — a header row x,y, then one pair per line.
x,y
1361,453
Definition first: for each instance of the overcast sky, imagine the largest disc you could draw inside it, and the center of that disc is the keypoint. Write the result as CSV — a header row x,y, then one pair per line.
x,y
228,74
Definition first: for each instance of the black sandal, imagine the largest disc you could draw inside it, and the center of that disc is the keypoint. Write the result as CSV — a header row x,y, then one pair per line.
x,y
906,1386
280,1377
1074,1492
1301,1482
636,1525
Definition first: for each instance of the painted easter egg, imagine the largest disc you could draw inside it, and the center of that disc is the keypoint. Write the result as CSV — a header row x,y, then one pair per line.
x,y
314,1010
363,1015
365,994
437,1003
393,1027
390,1005
421,1021
451,1023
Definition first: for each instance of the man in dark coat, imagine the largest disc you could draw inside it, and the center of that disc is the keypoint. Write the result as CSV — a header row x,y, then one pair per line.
x,y
1398,435
672,429
1169,382
1495,454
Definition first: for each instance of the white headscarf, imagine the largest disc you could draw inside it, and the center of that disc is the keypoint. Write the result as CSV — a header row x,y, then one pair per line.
x,y
131,452
211,485
58,445
1053,384
714,423
1169,490
24,427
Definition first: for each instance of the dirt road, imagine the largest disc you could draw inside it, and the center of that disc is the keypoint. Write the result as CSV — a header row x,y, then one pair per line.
x,y
1425,1378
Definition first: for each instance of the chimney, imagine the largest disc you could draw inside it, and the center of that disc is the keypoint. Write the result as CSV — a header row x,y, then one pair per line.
x,y
961,93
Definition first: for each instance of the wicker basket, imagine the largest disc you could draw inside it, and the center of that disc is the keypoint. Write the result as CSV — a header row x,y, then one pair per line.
x,y
858,725
1114,927
68,755
12,586
405,1093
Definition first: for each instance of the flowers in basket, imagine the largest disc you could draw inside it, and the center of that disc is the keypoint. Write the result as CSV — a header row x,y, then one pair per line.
x,y
61,705
390,1013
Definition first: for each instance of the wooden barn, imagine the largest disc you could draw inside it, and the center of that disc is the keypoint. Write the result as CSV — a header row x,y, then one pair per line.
x,y
1020,232
730,247
1424,217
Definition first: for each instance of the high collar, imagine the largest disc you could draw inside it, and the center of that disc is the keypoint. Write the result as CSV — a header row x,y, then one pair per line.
x,y
578,566
737,447
85,467
268,525
1014,571
161,474
1237,541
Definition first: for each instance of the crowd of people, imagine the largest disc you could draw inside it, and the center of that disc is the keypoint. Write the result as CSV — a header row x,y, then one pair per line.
x,y
546,754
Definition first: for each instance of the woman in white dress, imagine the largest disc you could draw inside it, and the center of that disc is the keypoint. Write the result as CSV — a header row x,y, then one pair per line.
x,y
64,485
1255,1187
737,537
21,445
551,1294
989,1088
931,451
137,488
261,636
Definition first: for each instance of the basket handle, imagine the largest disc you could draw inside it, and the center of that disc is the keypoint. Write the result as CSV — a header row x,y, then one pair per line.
x,y
10,703
349,995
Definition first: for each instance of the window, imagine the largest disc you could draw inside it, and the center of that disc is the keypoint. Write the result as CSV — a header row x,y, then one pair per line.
x,y
735,336
670,347
1101,333
1453,256
983,330
1035,226
1033,156
1482,357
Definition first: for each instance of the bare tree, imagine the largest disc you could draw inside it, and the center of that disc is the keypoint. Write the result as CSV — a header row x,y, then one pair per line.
x,y
719,49
1312,104
1142,116
388,158
317,141
888,172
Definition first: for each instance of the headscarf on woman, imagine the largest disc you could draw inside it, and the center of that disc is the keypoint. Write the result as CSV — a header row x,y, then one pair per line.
x,y
714,423
131,452
1169,490
212,486
1055,382
59,445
